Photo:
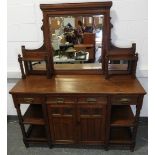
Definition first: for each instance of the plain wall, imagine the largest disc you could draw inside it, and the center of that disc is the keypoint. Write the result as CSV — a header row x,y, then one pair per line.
x,y
129,18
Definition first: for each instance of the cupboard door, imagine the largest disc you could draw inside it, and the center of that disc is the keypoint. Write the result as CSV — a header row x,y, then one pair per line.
x,y
62,123
91,120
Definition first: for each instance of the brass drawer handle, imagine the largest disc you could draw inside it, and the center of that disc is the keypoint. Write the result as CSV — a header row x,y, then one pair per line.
x,y
60,100
90,100
125,100
28,100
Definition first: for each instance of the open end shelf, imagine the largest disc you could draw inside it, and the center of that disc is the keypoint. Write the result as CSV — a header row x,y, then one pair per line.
x,y
122,116
120,135
34,115
36,133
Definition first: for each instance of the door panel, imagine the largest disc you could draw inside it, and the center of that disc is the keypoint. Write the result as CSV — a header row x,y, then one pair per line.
x,y
91,129
91,123
62,123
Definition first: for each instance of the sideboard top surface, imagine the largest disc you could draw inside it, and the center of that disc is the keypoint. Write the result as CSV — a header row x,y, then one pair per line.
x,y
78,84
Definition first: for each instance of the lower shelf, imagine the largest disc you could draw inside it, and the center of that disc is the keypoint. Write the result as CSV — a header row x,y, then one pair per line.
x,y
120,135
36,133
122,116
34,115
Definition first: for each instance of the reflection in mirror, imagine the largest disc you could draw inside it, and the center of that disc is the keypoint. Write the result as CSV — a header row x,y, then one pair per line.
x,y
38,65
76,41
119,65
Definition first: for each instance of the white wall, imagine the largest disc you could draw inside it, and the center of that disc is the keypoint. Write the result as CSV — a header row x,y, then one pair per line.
x,y
129,18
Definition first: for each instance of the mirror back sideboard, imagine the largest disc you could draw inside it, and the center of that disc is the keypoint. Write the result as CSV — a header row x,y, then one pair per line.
x,y
78,105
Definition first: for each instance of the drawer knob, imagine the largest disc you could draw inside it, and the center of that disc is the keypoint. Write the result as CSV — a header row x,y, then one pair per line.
x,y
125,100
91,100
28,100
60,100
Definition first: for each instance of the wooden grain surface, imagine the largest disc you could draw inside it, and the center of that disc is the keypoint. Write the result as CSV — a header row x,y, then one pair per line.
x,y
79,84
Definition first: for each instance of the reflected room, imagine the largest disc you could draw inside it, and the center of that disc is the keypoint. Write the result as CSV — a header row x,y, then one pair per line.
x,y
76,41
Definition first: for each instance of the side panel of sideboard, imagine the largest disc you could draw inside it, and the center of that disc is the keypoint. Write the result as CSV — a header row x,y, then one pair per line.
x,y
34,122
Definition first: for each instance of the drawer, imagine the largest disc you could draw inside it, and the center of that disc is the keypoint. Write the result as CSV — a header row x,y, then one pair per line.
x,y
29,100
91,99
60,100
124,99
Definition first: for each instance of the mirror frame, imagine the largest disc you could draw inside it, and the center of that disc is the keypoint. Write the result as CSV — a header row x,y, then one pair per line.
x,y
76,9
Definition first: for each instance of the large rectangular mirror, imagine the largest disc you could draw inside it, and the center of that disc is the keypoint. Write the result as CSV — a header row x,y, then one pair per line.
x,y
76,41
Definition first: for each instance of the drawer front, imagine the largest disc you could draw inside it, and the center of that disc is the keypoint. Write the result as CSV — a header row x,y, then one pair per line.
x,y
29,100
92,100
60,100
124,99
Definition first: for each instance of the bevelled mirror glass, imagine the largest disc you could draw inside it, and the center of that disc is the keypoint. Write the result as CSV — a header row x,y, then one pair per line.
x,y
76,41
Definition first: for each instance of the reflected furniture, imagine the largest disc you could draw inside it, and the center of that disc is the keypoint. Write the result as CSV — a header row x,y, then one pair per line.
x,y
75,104
117,54
88,47
89,38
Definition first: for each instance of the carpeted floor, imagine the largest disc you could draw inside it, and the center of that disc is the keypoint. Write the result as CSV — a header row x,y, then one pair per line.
x,y
16,146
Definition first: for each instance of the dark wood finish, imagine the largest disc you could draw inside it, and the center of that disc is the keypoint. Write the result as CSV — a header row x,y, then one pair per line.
x,y
83,9
109,52
92,99
79,106
120,135
47,128
91,123
34,115
115,53
62,122
36,133
21,66
28,99
124,100
89,38
122,116
30,55
77,84
60,100
138,108
28,58
88,45
80,109
21,124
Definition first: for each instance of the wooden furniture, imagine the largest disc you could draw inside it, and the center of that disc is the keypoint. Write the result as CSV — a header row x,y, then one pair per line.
x,y
77,106
79,109
56,10
117,54
89,38
88,47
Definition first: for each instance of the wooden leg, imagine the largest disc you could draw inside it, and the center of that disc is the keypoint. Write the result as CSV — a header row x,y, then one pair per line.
x,y
106,148
132,147
107,130
22,125
50,146
45,112
134,132
26,143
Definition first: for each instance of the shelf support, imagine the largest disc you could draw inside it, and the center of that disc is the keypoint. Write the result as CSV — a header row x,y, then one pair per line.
x,y
17,106
138,109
